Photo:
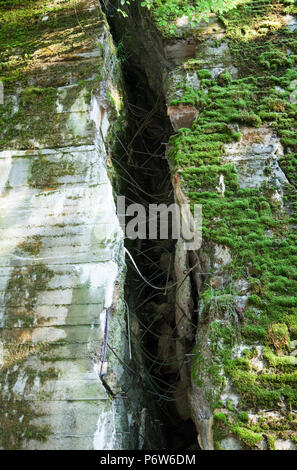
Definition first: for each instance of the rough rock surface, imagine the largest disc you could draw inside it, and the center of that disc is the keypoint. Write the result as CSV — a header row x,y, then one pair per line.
x,y
230,90
242,365
238,159
61,247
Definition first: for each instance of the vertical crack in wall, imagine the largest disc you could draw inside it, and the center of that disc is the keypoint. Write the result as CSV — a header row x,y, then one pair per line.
x,y
163,323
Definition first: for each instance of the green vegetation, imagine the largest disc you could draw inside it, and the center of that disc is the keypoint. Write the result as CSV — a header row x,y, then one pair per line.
x,y
44,172
20,298
36,31
250,222
22,290
32,246
248,437
46,68
23,287
39,42
166,12
279,336
16,415
14,432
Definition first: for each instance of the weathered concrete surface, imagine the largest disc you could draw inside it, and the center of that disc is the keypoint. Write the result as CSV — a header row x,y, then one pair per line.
x,y
82,263
61,256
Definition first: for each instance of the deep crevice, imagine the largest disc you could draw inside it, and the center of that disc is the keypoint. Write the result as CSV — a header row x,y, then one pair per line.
x,y
155,258
142,161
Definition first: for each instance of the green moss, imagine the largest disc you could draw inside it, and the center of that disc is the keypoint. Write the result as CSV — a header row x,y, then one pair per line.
x,y
220,417
39,59
36,118
257,231
274,59
281,362
254,332
229,406
22,290
271,442
30,95
279,336
31,246
165,12
203,73
243,417
16,427
45,172
16,415
33,119
26,40
29,44
249,438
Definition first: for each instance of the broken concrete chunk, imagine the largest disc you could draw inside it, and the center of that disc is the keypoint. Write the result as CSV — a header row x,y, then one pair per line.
x,y
182,116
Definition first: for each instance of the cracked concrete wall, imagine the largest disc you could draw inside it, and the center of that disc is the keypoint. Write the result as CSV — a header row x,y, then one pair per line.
x,y
62,265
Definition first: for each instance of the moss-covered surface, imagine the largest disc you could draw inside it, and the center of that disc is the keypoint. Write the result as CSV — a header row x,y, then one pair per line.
x,y
167,12
30,118
16,427
49,60
259,232
35,32
178,18
17,414
45,46
23,287
44,173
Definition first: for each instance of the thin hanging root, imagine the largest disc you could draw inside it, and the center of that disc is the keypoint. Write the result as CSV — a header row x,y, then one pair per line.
x,y
166,287
137,270
134,183
146,121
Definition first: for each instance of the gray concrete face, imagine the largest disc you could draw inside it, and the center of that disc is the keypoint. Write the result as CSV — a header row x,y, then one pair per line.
x,y
61,269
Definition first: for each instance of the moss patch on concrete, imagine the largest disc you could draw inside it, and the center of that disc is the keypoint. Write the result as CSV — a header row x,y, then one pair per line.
x,y
250,222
